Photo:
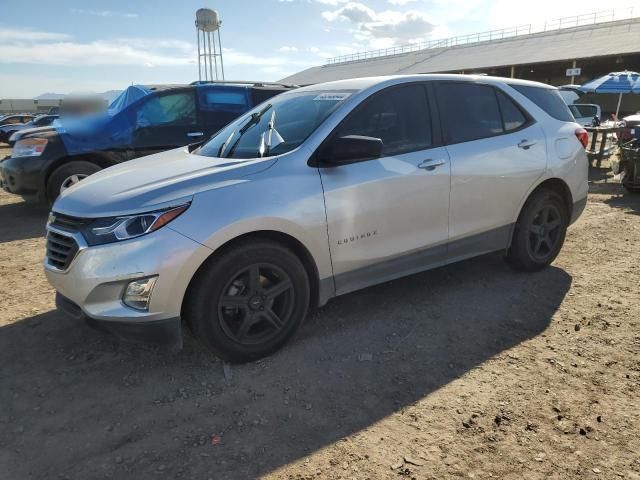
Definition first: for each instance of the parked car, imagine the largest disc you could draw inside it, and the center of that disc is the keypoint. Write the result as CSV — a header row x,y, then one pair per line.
x,y
8,124
316,193
141,121
39,121
586,113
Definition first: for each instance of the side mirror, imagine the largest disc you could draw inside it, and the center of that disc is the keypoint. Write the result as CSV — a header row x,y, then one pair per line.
x,y
349,149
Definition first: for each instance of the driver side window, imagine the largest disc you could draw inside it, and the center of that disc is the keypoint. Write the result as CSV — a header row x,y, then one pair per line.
x,y
399,116
172,109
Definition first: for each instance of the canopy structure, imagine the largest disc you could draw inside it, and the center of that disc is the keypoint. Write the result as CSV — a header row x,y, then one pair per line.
x,y
615,82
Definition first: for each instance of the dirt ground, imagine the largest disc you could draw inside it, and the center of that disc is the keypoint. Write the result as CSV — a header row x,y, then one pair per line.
x,y
468,371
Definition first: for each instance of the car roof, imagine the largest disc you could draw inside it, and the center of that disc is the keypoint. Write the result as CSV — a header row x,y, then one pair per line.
x,y
364,83
239,84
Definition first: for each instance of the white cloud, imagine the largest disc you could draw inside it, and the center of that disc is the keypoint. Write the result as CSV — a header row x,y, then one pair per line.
x,y
46,48
400,2
103,13
24,35
287,48
383,29
355,12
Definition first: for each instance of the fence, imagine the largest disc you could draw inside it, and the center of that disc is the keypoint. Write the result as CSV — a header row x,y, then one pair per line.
x,y
492,35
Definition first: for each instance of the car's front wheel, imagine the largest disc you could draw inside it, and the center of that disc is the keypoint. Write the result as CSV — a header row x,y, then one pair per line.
x,y
68,175
540,231
248,301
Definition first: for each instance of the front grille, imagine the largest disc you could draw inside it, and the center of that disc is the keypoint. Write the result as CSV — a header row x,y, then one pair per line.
x,y
61,250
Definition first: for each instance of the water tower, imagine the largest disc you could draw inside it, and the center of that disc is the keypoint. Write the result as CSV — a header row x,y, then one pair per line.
x,y
209,54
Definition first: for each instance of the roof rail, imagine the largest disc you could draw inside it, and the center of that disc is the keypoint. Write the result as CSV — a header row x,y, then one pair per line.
x,y
495,35
245,82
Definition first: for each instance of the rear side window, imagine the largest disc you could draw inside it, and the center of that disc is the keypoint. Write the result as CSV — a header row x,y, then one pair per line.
x,y
470,110
399,116
512,116
548,99
583,110
224,100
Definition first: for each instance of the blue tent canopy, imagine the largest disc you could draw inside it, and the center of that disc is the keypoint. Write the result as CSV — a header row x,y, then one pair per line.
x,y
615,82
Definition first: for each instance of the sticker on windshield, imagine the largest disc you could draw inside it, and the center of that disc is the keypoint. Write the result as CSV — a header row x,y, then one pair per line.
x,y
332,97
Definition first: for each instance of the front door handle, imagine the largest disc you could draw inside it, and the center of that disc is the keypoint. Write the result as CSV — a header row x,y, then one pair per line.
x,y
430,164
195,134
526,144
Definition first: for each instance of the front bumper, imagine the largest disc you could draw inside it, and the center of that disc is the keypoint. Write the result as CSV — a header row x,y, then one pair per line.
x,y
165,333
22,176
97,277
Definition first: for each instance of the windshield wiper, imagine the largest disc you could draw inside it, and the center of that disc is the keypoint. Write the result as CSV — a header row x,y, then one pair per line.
x,y
255,118
224,144
271,129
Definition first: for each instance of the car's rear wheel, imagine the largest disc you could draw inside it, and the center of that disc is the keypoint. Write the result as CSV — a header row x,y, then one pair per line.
x,y
68,175
248,301
540,231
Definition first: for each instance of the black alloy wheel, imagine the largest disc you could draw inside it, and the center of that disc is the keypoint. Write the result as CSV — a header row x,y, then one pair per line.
x,y
256,304
248,300
545,231
540,231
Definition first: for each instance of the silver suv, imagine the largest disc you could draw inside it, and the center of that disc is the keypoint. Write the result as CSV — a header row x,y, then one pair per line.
x,y
318,192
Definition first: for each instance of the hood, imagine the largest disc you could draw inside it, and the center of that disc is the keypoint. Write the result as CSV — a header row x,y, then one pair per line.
x,y
33,132
152,182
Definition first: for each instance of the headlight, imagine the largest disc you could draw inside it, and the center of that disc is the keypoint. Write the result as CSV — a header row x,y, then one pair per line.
x,y
107,230
29,147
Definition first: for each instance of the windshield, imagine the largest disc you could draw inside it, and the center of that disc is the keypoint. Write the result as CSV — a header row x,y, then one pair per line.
x,y
275,127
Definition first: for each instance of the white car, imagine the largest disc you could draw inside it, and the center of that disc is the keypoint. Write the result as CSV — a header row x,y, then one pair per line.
x,y
320,191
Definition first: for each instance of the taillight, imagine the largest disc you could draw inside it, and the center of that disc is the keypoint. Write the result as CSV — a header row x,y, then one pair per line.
x,y
583,136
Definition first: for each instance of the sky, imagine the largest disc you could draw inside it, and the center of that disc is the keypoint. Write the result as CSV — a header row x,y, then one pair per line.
x,y
80,46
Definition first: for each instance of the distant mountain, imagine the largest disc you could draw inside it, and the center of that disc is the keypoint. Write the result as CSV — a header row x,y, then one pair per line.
x,y
50,96
109,95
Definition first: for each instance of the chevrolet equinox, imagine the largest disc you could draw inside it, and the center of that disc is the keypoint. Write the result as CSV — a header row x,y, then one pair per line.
x,y
315,193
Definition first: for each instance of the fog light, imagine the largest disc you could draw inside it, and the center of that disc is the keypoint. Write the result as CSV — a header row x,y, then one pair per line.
x,y
138,293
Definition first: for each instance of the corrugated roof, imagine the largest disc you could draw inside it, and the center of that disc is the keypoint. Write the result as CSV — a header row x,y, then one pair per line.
x,y
610,38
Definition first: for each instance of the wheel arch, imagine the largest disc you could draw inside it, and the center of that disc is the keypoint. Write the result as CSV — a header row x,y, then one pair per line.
x,y
284,239
102,159
553,184
560,187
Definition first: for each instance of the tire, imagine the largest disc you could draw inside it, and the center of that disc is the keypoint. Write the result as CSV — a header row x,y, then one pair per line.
x,y
59,177
233,315
540,231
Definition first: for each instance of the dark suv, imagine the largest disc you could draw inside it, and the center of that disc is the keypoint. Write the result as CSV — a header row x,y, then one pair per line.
x,y
143,120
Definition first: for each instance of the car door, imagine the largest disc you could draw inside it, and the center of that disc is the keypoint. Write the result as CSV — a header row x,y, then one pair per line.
x,y
497,153
165,121
388,217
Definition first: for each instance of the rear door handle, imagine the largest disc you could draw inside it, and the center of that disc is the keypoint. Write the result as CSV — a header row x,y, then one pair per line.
x,y
430,164
526,144
195,134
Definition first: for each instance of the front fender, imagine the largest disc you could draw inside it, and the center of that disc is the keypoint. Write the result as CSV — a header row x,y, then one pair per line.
x,y
286,198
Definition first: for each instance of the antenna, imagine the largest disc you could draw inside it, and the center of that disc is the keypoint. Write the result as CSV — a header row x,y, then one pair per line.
x,y
207,24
